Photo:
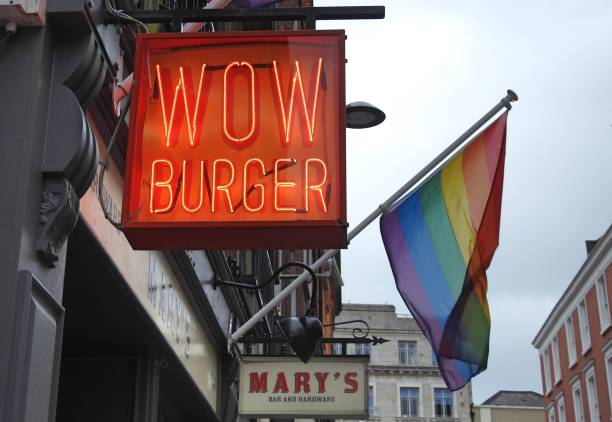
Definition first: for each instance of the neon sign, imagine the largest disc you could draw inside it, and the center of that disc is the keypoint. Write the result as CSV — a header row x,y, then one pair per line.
x,y
237,140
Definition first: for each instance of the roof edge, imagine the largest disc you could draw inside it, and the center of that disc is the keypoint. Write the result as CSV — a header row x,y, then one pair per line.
x,y
586,268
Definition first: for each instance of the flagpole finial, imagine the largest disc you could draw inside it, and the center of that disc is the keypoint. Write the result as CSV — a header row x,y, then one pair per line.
x,y
511,97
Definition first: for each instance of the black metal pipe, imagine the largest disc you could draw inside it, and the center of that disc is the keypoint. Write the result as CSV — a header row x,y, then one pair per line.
x,y
309,14
273,277
272,340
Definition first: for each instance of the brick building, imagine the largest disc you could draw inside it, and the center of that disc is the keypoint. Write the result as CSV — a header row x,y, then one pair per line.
x,y
575,343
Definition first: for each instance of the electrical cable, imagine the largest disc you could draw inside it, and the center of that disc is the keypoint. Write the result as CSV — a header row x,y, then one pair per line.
x,y
123,16
110,7
104,165
6,38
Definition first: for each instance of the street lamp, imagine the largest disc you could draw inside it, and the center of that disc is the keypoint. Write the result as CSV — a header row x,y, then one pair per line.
x,y
302,333
362,115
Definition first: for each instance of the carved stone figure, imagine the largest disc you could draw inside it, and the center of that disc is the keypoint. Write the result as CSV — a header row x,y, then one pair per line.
x,y
59,213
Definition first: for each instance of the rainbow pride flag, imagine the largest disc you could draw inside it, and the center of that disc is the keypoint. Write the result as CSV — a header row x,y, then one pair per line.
x,y
440,239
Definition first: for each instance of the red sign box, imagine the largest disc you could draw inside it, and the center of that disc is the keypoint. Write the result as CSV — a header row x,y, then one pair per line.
x,y
237,140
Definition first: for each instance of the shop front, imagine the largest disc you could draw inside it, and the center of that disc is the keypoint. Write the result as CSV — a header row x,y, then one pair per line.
x,y
137,344
121,363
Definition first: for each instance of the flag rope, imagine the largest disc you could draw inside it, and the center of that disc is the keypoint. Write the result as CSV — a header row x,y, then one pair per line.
x,y
268,307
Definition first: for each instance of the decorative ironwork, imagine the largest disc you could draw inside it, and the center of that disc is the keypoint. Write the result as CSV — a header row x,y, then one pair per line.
x,y
378,340
274,277
360,336
374,340
356,329
59,213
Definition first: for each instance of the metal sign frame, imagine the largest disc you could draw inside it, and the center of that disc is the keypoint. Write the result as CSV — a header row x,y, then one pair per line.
x,y
294,233
362,360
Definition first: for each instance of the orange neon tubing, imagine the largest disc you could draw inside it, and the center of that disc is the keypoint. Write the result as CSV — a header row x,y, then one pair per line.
x,y
225,102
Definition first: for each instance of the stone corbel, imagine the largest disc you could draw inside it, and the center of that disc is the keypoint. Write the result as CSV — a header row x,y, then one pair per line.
x,y
59,213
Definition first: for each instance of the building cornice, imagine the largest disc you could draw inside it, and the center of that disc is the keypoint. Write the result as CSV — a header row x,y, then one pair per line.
x,y
584,279
492,406
401,369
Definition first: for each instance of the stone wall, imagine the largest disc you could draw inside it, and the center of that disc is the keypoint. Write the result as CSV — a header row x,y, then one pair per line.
x,y
387,375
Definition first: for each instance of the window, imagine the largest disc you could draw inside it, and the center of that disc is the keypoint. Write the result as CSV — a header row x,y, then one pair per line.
x,y
556,364
245,262
583,318
551,413
602,301
592,395
409,401
434,358
337,348
443,403
578,411
371,400
362,348
547,377
561,408
571,341
407,352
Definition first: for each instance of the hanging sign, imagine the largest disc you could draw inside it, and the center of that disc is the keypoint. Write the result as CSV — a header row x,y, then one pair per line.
x,y
327,387
237,140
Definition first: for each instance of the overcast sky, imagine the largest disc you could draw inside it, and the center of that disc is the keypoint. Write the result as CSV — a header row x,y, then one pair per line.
x,y
435,67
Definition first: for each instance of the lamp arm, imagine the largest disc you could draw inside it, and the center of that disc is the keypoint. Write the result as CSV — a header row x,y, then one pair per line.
x,y
272,278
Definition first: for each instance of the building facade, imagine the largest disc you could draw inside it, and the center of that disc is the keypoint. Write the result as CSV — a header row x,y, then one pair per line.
x,y
575,343
510,406
92,329
404,379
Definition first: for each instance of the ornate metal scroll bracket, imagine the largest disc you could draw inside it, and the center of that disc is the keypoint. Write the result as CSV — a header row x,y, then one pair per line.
x,y
358,332
378,340
359,336
59,213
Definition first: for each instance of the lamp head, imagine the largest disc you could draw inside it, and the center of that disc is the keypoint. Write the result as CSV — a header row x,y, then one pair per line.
x,y
362,115
303,334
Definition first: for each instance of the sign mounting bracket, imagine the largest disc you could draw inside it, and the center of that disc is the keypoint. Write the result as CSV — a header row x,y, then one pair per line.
x,y
310,15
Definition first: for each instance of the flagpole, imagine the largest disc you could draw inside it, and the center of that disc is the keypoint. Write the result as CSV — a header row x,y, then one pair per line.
x,y
242,330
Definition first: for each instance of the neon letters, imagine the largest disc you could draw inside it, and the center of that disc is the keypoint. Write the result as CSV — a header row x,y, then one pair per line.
x,y
237,140
208,184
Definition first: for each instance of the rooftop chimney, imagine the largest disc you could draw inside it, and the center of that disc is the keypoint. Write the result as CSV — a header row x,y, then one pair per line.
x,y
590,245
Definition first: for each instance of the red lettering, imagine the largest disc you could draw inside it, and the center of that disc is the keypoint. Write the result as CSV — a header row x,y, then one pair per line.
x,y
349,379
174,108
302,379
189,183
315,187
258,186
259,382
281,383
222,187
226,102
284,184
155,183
288,114
321,377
